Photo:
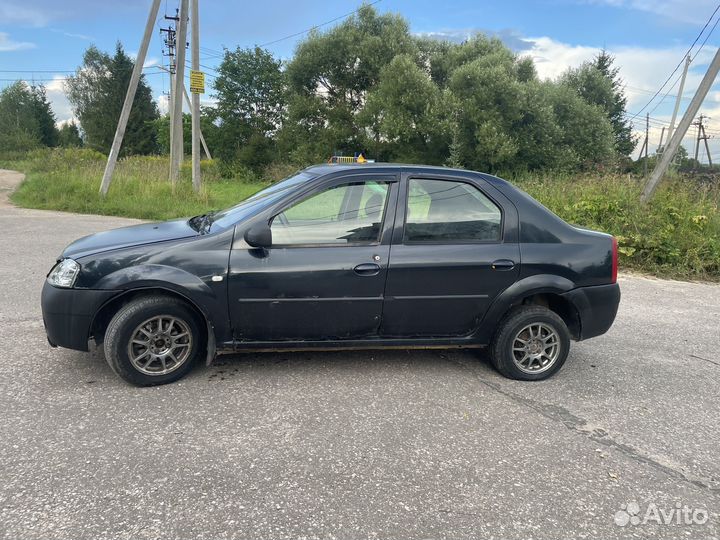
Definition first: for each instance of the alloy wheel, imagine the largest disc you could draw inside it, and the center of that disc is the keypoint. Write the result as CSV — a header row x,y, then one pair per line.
x,y
535,348
160,345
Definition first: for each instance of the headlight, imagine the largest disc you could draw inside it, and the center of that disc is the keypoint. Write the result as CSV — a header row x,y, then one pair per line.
x,y
64,273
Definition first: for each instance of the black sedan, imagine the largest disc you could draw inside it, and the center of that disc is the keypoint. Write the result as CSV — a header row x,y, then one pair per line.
x,y
346,256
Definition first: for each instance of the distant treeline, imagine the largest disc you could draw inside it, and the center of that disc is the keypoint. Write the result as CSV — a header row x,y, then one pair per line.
x,y
368,84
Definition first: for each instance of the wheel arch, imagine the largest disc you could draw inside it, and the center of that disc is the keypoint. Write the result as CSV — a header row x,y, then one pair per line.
x,y
558,304
541,289
107,311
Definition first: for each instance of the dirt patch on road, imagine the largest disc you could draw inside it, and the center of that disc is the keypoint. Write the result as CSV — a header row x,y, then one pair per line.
x,y
9,181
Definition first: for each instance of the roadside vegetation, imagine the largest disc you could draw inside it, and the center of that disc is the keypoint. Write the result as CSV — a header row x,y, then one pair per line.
x,y
68,180
677,235
370,85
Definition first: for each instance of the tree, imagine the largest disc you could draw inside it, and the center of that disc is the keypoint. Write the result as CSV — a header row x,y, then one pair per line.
x,y
207,127
69,135
406,111
486,92
329,79
598,82
250,105
45,116
97,92
26,117
586,134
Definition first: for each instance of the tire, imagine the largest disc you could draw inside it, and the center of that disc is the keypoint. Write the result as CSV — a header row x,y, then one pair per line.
x,y
538,359
144,330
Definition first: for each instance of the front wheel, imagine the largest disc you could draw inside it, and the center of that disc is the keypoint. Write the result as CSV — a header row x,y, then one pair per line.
x,y
153,340
531,344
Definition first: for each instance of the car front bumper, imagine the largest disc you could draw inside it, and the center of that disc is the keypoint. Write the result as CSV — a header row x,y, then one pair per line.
x,y
68,314
596,306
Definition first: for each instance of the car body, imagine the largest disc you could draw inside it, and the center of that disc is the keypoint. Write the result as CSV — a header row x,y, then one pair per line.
x,y
352,256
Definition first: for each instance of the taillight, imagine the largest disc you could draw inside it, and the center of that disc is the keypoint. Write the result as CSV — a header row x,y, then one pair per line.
x,y
613,278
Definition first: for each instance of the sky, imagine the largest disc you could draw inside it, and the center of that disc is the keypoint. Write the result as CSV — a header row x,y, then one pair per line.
x,y
43,40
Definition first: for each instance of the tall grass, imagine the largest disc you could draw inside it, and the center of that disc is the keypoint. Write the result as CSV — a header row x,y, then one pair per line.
x,y
676,235
68,180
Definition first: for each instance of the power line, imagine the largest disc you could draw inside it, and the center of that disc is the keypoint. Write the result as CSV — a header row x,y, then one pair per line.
x,y
706,38
662,100
296,34
46,79
49,70
679,63
219,54
37,71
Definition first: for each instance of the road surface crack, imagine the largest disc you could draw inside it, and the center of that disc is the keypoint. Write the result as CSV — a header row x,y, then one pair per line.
x,y
596,434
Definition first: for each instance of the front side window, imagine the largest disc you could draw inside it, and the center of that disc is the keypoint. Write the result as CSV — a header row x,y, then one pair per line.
x,y
446,211
346,214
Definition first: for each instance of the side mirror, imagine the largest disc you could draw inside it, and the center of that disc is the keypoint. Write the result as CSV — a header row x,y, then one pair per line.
x,y
259,235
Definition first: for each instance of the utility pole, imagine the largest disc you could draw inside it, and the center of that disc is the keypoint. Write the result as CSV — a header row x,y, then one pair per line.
x,y
660,146
176,152
195,97
187,102
702,136
678,98
707,147
170,43
676,139
698,124
202,138
647,142
642,147
129,98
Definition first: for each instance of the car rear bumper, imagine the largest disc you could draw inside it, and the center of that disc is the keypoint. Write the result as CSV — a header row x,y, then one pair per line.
x,y
596,306
68,314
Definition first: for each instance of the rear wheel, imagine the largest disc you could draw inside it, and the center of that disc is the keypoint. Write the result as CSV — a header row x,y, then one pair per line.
x,y
153,340
531,344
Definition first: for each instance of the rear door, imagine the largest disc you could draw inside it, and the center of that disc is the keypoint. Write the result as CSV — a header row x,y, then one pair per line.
x,y
456,251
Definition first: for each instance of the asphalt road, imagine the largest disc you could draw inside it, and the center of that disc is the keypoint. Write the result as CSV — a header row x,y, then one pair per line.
x,y
403,444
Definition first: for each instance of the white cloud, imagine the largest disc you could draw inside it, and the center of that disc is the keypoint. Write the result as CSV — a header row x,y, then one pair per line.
x,y
149,62
84,37
511,38
163,102
552,58
12,13
55,90
7,44
677,10
642,69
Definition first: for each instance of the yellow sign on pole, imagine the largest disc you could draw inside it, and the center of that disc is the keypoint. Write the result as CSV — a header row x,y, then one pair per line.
x,y
197,82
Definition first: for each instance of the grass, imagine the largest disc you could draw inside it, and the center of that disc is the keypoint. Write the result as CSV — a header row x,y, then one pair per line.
x,y
69,180
677,235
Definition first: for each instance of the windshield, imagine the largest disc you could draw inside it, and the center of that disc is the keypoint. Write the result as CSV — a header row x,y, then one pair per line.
x,y
261,199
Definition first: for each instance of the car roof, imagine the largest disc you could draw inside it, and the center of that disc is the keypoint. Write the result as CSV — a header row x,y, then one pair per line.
x,y
327,168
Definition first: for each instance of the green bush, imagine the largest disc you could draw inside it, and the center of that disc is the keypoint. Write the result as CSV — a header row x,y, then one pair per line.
x,y
677,234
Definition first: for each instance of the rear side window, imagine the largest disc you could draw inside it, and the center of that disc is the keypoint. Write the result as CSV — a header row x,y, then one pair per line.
x,y
447,211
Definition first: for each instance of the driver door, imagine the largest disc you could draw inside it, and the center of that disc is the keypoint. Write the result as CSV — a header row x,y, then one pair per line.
x,y
324,276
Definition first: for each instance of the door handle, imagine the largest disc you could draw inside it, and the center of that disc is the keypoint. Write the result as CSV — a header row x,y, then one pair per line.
x,y
503,264
367,269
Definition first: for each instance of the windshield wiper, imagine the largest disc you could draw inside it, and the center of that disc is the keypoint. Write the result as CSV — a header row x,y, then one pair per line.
x,y
202,223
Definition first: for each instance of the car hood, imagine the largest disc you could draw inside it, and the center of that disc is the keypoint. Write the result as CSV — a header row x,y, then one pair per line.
x,y
135,235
